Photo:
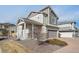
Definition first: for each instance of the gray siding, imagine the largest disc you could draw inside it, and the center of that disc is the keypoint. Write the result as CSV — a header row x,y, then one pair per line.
x,y
53,18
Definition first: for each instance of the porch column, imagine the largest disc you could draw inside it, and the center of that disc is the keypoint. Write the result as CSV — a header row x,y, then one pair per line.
x,y
32,31
57,33
25,32
24,25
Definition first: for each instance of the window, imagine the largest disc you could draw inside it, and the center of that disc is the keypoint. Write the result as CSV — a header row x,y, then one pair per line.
x,y
12,31
45,18
53,20
46,15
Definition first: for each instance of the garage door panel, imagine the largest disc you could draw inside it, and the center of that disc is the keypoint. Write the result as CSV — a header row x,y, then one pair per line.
x,y
52,33
66,34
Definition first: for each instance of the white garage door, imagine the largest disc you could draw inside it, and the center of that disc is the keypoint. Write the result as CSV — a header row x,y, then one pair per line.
x,y
52,33
66,34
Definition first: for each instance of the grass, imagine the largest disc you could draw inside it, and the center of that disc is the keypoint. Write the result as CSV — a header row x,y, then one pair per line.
x,y
13,47
56,42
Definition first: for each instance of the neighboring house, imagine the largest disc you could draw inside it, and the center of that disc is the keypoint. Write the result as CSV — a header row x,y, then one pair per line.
x,y
67,29
38,25
77,33
11,28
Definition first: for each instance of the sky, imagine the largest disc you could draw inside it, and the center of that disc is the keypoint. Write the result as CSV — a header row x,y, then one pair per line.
x,y
11,13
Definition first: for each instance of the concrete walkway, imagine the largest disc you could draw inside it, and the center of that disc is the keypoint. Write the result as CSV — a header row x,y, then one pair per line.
x,y
72,47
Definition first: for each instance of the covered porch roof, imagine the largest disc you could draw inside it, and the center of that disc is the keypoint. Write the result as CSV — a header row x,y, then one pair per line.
x,y
29,21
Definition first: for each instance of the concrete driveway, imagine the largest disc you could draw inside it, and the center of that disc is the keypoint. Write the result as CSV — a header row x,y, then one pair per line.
x,y
35,48
72,47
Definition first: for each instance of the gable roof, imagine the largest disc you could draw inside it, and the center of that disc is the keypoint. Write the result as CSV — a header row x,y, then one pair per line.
x,y
39,12
50,9
33,14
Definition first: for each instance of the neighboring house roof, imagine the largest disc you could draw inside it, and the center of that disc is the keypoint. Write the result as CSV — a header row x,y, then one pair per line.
x,y
66,22
7,24
67,28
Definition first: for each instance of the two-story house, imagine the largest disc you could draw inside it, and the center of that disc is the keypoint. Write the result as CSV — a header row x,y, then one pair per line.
x,y
38,25
67,29
11,28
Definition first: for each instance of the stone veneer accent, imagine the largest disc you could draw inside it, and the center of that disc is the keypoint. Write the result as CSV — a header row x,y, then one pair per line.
x,y
43,34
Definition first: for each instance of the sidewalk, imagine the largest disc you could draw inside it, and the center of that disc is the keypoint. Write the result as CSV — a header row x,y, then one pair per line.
x,y
72,47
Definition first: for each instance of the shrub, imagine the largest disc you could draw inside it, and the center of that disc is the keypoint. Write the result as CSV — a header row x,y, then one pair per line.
x,y
5,32
56,42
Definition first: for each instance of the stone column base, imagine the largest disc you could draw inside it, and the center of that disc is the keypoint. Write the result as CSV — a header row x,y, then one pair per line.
x,y
43,37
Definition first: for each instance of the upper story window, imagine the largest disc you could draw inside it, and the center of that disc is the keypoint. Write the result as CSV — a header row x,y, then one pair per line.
x,y
53,20
46,15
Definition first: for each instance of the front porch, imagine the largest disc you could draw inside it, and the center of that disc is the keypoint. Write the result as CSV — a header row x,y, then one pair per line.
x,y
32,30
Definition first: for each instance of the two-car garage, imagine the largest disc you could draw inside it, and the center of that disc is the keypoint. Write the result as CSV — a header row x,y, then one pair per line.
x,y
53,34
